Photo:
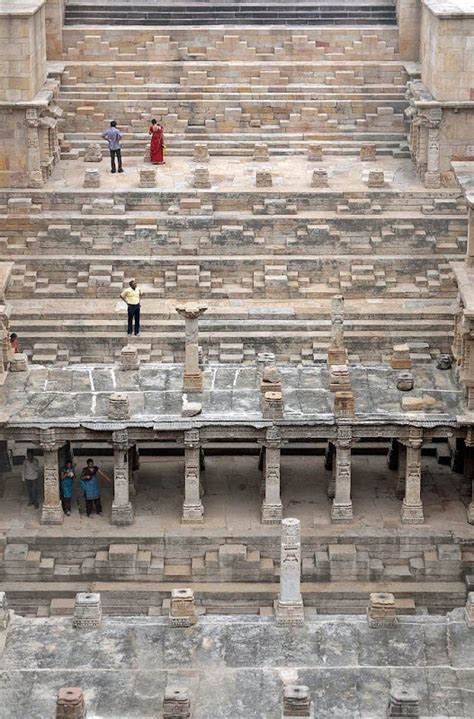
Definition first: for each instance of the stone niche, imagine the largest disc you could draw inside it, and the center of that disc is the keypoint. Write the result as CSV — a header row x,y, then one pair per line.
x,y
29,145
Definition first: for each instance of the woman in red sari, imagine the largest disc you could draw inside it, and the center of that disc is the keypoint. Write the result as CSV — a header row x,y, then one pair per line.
x,y
157,143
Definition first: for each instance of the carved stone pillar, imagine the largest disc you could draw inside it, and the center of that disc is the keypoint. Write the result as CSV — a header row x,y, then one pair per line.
x,y
337,353
289,606
469,470
341,510
122,509
35,175
412,507
193,511
271,507
192,372
432,178
51,511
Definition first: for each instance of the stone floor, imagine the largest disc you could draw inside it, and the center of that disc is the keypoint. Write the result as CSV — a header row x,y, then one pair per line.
x,y
238,174
232,501
236,667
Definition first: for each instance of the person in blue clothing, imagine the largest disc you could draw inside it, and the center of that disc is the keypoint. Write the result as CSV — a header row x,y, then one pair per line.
x,y
91,488
68,476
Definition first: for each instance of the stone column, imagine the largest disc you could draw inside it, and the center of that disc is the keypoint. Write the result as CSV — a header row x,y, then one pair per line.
x,y
393,455
122,509
341,510
432,178
192,371
469,470
271,507
51,511
337,353
35,175
289,606
193,511
412,507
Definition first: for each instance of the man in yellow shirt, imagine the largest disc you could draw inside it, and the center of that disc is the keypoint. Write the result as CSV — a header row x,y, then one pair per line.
x,y
131,296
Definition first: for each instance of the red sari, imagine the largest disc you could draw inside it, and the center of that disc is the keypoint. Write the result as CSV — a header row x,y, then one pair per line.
x,y
156,145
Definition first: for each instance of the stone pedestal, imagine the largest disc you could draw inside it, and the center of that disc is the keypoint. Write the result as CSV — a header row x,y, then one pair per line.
x,y
118,407
182,608
344,405
91,179
403,702
200,152
70,703
272,509
376,178
289,606
401,357
18,362
192,372
4,611
319,178
87,611
193,511
339,378
315,153
129,358
272,405
51,511
337,353
381,610
176,703
341,510
147,177
122,509
93,153
296,702
368,152
263,178
412,507
201,179
260,153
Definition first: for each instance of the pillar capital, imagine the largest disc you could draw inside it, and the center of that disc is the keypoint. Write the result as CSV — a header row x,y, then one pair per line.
x,y
48,439
120,439
191,439
273,438
414,438
191,311
344,438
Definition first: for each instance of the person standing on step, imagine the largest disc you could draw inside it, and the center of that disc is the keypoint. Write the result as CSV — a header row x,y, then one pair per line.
x,y
157,143
91,488
132,296
113,137
66,485
30,475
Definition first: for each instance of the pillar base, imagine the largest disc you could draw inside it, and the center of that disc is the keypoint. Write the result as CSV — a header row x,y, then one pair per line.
x,y
289,613
412,514
470,513
192,382
122,514
341,512
52,514
192,514
432,180
271,513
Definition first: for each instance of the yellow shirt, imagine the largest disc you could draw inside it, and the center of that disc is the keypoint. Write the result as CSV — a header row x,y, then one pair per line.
x,y
131,296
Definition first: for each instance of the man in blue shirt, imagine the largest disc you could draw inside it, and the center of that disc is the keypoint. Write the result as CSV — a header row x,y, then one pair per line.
x,y
113,137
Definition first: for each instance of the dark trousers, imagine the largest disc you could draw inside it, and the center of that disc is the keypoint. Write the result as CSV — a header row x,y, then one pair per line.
x,y
90,503
66,504
32,489
133,314
116,154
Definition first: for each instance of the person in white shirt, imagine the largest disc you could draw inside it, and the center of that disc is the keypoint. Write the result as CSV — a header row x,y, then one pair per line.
x,y
30,475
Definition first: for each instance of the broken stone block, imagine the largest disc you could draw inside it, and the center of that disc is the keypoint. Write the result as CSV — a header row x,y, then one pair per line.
x,y
272,405
70,703
201,179
260,153
296,702
19,362
182,608
319,178
147,177
344,404
469,610
263,178
129,358
315,153
200,152
93,153
381,610
118,406
176,703
190,409
376,178
405,381
401,357
87,611
368,151
4,611
402,702
91,178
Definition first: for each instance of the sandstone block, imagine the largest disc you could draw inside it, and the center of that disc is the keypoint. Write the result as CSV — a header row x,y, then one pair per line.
x,y
319,178
376,178
118,406
147,177
93,153
200,152
263,178
91,178
201,179
315,153
70,703
368,151
260,153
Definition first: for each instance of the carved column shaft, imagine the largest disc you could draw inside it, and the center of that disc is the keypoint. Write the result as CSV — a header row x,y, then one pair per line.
x,y
342,504
51,511
122,510
289,608
192,373
35,175
193,511
271,507
412,507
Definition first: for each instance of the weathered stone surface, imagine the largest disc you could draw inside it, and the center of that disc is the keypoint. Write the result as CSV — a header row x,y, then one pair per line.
x,y
91,179
93,153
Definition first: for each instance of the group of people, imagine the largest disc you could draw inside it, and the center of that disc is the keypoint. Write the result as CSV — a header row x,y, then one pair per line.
x,y
114,138
88,481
